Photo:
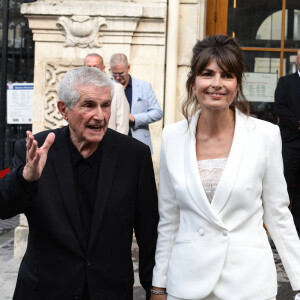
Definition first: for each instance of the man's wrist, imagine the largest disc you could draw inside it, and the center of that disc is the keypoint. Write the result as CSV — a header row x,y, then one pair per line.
x,y
28,187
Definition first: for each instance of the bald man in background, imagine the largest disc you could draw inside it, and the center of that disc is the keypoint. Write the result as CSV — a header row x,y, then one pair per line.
x,y
119,119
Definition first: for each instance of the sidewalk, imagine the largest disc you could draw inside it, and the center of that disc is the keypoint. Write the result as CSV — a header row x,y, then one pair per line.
x,y
9,266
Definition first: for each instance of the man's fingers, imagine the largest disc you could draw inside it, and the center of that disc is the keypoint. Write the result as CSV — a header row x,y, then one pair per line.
x,y
29,140
49,141
32,142
35,160
31,169
28,133
32,150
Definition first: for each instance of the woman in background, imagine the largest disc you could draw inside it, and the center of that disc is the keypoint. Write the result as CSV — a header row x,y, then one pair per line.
x,y
221,180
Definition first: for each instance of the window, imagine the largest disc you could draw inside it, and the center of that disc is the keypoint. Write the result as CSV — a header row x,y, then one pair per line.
x,y
268,32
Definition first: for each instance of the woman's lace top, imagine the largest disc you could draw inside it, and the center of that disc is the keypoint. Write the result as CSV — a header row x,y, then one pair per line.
x,y
210,171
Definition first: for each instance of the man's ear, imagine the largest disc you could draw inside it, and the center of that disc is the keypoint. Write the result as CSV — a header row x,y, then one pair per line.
x,y
128,68
62,107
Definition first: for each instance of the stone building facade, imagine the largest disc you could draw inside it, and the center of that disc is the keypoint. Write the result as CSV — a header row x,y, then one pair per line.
x,y
157,37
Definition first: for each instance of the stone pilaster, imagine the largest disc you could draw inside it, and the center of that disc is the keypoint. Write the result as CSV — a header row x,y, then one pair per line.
x,y
20,238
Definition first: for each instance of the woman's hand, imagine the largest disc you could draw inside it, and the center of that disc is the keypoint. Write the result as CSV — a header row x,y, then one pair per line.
x,y
158,297
155,296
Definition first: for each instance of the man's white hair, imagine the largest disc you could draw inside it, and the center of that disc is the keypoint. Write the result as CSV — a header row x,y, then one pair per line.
x,y
73,80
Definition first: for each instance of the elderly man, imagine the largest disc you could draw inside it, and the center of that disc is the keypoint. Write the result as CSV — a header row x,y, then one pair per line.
x,y
83,192
287,108
119,117
144,107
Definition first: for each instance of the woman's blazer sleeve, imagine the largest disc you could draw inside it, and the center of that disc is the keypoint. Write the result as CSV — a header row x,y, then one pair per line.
x,y
277,216
169,218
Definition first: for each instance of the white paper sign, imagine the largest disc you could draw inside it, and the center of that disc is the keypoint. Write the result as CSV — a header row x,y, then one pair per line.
x,y
19,103
260,87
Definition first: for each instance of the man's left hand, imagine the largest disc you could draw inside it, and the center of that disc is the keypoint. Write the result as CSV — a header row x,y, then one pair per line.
x,y
131,118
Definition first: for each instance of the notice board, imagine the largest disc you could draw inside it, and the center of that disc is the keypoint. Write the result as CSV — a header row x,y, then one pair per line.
x,y
260,87
19,103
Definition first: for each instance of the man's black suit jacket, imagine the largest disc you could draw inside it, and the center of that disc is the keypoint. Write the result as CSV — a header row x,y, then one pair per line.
x,y
287,107
57,262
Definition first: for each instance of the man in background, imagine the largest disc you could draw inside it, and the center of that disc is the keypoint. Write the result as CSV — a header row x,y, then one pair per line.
x,y
144,107
287,108
119,119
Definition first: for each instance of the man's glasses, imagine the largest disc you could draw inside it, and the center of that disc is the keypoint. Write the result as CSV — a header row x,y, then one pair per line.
x,y
115,75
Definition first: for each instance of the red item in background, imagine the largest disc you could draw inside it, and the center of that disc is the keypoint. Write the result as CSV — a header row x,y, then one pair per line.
x,y
4,172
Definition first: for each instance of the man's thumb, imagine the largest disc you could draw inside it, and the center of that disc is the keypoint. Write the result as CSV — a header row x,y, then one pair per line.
x,y
49,141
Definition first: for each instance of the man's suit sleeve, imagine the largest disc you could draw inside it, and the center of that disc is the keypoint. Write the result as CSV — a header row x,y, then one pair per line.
x,y
15,193
122,114
282,108
153,113
146,220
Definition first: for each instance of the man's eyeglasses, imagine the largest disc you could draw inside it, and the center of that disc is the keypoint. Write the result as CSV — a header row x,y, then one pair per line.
x,y
115,75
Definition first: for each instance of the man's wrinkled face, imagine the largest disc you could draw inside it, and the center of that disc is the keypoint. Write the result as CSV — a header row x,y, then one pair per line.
x,y
88,120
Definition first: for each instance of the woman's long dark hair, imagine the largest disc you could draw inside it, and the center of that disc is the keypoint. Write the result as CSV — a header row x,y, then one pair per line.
x,y
228,55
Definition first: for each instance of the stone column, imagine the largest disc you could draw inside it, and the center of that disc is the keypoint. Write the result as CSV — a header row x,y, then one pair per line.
x,y
65,31
192,14
20,238
171,63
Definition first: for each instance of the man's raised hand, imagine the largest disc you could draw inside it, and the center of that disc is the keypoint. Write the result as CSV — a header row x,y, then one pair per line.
x,y
36,157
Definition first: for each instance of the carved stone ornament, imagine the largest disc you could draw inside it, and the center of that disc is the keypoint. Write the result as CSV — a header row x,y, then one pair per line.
x,y
54,73
82,31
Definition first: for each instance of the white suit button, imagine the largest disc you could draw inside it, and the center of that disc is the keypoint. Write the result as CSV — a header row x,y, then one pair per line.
x,y
201,232
225,233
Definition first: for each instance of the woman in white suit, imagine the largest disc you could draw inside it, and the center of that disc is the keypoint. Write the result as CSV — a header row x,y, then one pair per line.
x,y
221,180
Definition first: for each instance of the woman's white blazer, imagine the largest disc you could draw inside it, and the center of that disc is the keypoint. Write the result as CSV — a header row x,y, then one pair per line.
x,y
222,246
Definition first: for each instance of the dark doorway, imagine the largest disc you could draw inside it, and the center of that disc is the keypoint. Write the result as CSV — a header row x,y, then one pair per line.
x,y
17,64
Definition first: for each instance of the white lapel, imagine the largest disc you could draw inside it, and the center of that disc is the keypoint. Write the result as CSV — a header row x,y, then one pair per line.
x,y
192,176
230,172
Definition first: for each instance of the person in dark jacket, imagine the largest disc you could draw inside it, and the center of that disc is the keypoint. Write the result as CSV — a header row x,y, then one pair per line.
x,y
287,108
83,192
